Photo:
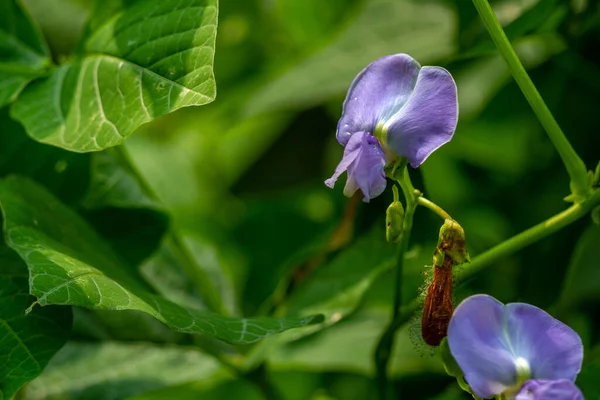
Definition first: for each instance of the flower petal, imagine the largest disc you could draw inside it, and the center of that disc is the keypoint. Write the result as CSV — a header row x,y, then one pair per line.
x,y
377,93
364,160
477,342
539,389
366,171
553,350
428,120
351,152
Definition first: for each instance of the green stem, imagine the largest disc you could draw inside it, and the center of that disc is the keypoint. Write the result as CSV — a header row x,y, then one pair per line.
x,y
410,196
386,342
422,201
512,245
532,235
574,165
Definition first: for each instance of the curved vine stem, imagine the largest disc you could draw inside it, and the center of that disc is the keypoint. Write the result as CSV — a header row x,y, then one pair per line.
x,y
422,201
576,169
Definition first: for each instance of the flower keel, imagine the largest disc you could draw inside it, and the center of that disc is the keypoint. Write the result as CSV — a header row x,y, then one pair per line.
x,y
364,160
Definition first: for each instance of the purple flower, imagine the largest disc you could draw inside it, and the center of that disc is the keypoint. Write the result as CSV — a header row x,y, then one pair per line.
x,y
540,389
515,349
394,108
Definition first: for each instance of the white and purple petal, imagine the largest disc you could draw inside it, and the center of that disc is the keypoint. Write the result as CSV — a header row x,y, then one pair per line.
x,y
377,93
553,349
364,161
427,120
539,389
477,342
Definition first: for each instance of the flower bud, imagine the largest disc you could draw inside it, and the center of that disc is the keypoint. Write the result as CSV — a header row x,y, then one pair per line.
x,y
394,219
451,243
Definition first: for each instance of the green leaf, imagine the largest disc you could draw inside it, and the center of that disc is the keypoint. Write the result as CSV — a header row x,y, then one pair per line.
x,y
588,380
27,341
64,173
359,274
163,272
70,264
121,207
96,325
337,288
23,53
112,370
425,30
226,389
524,20
148,60
582,282
349,346
114,183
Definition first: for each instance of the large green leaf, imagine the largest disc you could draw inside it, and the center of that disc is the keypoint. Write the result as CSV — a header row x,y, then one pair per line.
x,y
424,30
112,370
70,264
149,59
23,53
27,341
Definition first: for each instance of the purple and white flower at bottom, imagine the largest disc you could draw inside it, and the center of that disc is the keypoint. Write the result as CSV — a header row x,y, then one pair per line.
x,y
540,389
515,350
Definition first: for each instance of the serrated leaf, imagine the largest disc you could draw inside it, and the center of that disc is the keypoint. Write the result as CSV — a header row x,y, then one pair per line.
x,y
425,30
24,55
27,341
70,264
112,370
150,59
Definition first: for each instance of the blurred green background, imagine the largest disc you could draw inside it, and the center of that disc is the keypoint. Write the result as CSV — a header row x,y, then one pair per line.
x,y
240,183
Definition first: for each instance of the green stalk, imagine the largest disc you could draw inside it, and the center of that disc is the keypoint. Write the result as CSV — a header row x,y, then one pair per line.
x,y
514,244
574,165
386,342
531,235
422,201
